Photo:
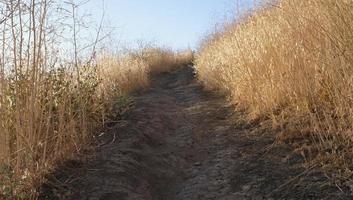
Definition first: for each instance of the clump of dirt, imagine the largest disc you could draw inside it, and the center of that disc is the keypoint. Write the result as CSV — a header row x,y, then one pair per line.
x,y
180,142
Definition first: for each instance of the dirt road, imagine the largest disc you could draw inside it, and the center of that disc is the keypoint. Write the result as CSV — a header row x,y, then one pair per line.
x,y
179,142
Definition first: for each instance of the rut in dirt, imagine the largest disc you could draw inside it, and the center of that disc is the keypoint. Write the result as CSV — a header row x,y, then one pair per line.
x,y
179,142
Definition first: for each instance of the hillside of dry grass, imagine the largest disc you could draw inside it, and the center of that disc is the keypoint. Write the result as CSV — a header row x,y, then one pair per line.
x,y
291,62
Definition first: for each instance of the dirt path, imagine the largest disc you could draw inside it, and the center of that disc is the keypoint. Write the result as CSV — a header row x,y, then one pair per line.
x,y
181,143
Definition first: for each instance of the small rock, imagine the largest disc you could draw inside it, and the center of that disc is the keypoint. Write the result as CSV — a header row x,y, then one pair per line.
x,y
197,164
246,188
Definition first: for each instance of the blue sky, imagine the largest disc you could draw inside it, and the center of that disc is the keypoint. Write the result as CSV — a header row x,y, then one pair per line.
x,y
174,23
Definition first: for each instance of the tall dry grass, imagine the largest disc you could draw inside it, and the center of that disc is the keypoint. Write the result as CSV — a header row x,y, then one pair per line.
x,y
124,73
131,70
165,60
291,61
54,118
51,105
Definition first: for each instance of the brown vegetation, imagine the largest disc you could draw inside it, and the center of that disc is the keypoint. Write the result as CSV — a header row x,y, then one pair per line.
x,y
51,106
291,62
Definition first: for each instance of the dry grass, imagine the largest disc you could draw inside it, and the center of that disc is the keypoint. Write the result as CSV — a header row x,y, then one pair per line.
x,y
131,71
51,106
292,62
44,121
164,59
53,118
128,72
54,93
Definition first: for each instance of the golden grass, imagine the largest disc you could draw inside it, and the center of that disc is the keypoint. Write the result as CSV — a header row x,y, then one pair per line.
x,y
292,62
131,71
54,117
44,121
55,92
163,59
